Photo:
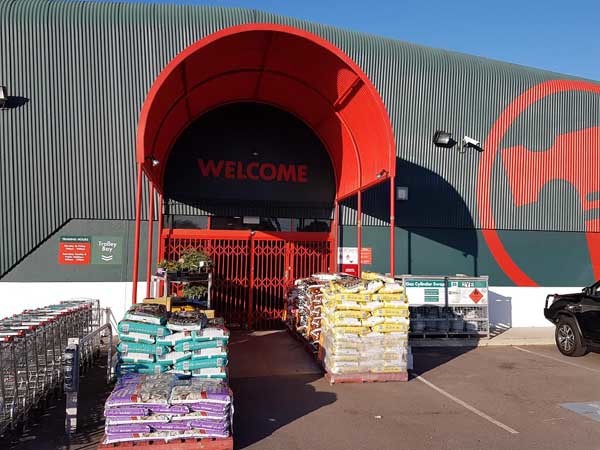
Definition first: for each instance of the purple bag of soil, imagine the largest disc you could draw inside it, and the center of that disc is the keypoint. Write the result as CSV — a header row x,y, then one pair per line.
x,y
112,438
126,411
173,409
128,428
200,433
197,392
213,425
130,379
143,420
181,425
210,408
133,396
202,415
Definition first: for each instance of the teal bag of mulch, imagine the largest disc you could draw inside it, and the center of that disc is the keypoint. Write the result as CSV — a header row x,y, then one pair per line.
x,y
211,333
173,357
210,353
190,346
176,338
140,338
194,364
136,347
126,326
135,358
151,368
218,373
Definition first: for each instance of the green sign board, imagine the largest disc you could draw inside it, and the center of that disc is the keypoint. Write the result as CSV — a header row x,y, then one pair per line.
x,y
107,249
86,250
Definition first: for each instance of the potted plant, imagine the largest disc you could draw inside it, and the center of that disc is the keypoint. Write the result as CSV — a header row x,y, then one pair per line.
x,y
194,291
166,266
194,261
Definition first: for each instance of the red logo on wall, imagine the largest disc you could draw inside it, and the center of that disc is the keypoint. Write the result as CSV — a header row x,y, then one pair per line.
x,y
568,159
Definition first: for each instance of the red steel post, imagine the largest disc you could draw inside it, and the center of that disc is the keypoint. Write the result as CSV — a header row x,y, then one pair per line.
x,y
149,262
392,225
136,239
359,231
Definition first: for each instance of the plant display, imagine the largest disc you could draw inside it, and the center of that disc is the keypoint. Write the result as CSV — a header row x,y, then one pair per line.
x,y
191,260
194,260
194,291
168,266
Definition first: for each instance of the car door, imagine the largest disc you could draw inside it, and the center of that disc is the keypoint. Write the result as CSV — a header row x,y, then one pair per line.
x,y
589,314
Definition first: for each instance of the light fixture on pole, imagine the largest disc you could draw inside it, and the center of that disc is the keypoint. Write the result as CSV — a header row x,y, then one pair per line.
x,y
155,162
381,173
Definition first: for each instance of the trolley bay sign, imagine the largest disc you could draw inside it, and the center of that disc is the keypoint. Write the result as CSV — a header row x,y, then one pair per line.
x,y
85,250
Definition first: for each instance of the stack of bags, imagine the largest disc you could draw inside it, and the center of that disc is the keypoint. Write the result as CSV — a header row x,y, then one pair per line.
x,y
164,407
139,331
183,344
365,326
304,305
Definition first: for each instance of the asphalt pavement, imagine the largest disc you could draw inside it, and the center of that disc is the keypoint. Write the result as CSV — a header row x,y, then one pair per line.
x,y
505,397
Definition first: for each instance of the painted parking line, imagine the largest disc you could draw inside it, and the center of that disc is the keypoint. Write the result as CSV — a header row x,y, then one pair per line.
x,y
591,410
467,406
591,369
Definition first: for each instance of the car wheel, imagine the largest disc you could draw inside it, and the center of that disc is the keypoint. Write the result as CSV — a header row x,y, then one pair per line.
x,y
568,339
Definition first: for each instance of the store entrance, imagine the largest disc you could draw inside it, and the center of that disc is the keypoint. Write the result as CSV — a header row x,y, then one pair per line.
x,y
253,270
253,186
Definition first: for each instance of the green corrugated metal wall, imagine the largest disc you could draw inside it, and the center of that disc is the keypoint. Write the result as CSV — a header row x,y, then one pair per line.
x,y
86,67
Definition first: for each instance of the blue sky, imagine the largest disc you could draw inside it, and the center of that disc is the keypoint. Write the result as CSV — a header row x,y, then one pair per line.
x,y
562,36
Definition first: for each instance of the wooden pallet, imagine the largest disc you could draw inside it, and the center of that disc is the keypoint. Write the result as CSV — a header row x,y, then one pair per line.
x,y
175,444
366,377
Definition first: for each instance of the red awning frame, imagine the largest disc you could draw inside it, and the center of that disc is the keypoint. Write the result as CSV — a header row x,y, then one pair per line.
x,y
285,67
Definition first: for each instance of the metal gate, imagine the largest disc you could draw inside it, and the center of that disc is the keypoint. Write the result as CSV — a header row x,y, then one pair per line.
x,y
253,269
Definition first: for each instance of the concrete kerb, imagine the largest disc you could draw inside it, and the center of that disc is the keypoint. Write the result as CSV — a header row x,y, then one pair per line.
x,y
510,337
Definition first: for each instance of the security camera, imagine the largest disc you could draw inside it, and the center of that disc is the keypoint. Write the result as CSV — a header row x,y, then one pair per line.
x,y
473,143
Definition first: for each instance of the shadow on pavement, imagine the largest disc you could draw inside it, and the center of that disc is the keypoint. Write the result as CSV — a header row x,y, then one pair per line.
x,y
429,358
271,376
47,431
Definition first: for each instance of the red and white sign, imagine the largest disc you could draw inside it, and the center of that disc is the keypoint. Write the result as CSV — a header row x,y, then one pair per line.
x,y
350,269
366,255
476,296
74,250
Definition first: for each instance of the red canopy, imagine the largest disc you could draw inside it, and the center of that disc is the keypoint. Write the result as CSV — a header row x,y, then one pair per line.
x,y
284,67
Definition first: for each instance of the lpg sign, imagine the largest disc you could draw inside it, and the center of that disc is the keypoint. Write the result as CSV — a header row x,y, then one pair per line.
x,y
572,157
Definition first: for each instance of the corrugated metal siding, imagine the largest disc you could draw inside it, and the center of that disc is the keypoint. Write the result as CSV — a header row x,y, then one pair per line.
x,y
86,67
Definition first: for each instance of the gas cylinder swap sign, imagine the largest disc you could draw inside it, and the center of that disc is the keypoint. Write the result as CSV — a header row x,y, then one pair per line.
x,y
446,291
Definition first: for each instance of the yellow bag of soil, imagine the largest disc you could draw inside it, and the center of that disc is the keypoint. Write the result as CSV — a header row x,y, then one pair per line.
x,y
391,312
390,327
372,321
344,322
388,297
372,306
347,306
340,332
350,314
361,297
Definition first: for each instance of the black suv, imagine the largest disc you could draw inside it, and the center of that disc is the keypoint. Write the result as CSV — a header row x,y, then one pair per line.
x,y
577,319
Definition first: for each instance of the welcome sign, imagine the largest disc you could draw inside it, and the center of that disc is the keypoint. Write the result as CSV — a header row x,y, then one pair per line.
x,y
248,155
